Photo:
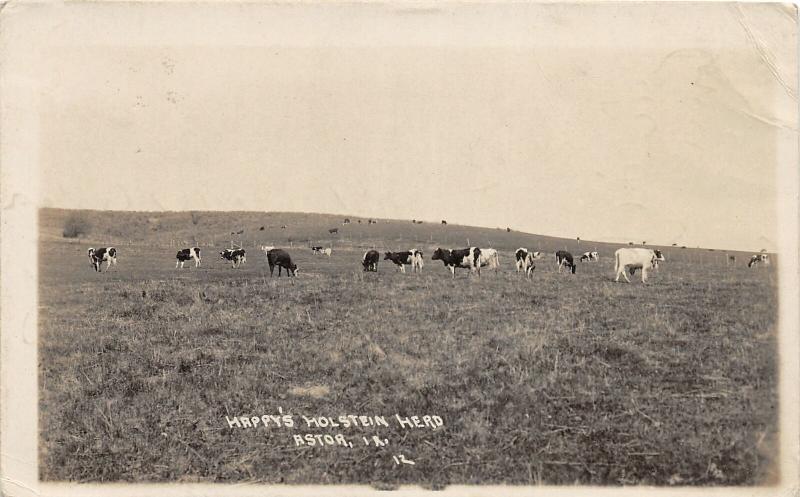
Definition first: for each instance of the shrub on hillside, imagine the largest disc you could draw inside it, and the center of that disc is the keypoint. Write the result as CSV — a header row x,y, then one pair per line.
x,y
75,225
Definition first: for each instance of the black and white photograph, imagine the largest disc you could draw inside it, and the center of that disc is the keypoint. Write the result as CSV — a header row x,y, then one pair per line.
x,y
278,248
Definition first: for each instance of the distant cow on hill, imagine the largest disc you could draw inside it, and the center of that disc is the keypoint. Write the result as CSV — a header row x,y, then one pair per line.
x,y
590,256
564,259
411,257
758,259
236,256
333,231
346,221
104,254
468,258
321,251
631,259
370,260
281,258
187,254
444,222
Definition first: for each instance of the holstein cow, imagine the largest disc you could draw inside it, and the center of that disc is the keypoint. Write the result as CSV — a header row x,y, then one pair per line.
x,y
590,256
631,259
525,260
370,260
281,258
411,257
758,259
104,254
489,257
187,254
467,258
236,256
322,250
564,259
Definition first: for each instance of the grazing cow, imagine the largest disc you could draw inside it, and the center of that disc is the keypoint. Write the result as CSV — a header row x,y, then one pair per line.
x,y
333,231
346,221
317,250
187,254
370,260
525,260
590,256
281,258
467,258
444,222
489,257
104,254
564,259
631,259
758,259
236,256
411,257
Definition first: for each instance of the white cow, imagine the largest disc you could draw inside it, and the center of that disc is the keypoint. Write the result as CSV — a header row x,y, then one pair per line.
x,y
489,257
631,259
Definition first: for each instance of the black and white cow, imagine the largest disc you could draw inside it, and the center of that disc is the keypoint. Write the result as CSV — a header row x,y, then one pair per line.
x,y
631,259
236,256
370,260
281,258
526,260
590,256
564,259
188,254
758,259
104,254
322,250
411,257
468,258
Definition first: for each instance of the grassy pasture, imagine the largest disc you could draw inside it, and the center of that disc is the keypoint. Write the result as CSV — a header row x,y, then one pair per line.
x,y
556,380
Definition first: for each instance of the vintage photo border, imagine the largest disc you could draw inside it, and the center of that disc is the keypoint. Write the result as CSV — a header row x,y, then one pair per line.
x,y
19,146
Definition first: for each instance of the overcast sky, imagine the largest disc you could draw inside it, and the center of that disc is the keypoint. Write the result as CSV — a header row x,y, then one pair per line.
x,y
608,122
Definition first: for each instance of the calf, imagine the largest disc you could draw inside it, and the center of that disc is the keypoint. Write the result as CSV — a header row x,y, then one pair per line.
x,y
104,254
188,254
564,259
411,257
631,259
489,257
468,258
590,256
236,256
370,260
280,258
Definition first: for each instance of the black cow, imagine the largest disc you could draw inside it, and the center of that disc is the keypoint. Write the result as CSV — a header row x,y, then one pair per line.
x,y
187,254
333,231
564,258
104,254
370,260
282,259
236,256
468,258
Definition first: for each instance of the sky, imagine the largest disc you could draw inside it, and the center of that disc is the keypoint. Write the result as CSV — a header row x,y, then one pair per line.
x,y
609,122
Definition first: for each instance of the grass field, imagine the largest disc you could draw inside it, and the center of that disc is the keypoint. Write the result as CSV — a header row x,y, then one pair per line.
x,y
560,379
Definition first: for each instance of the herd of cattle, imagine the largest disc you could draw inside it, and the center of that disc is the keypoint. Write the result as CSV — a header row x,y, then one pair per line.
x,y
626,260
